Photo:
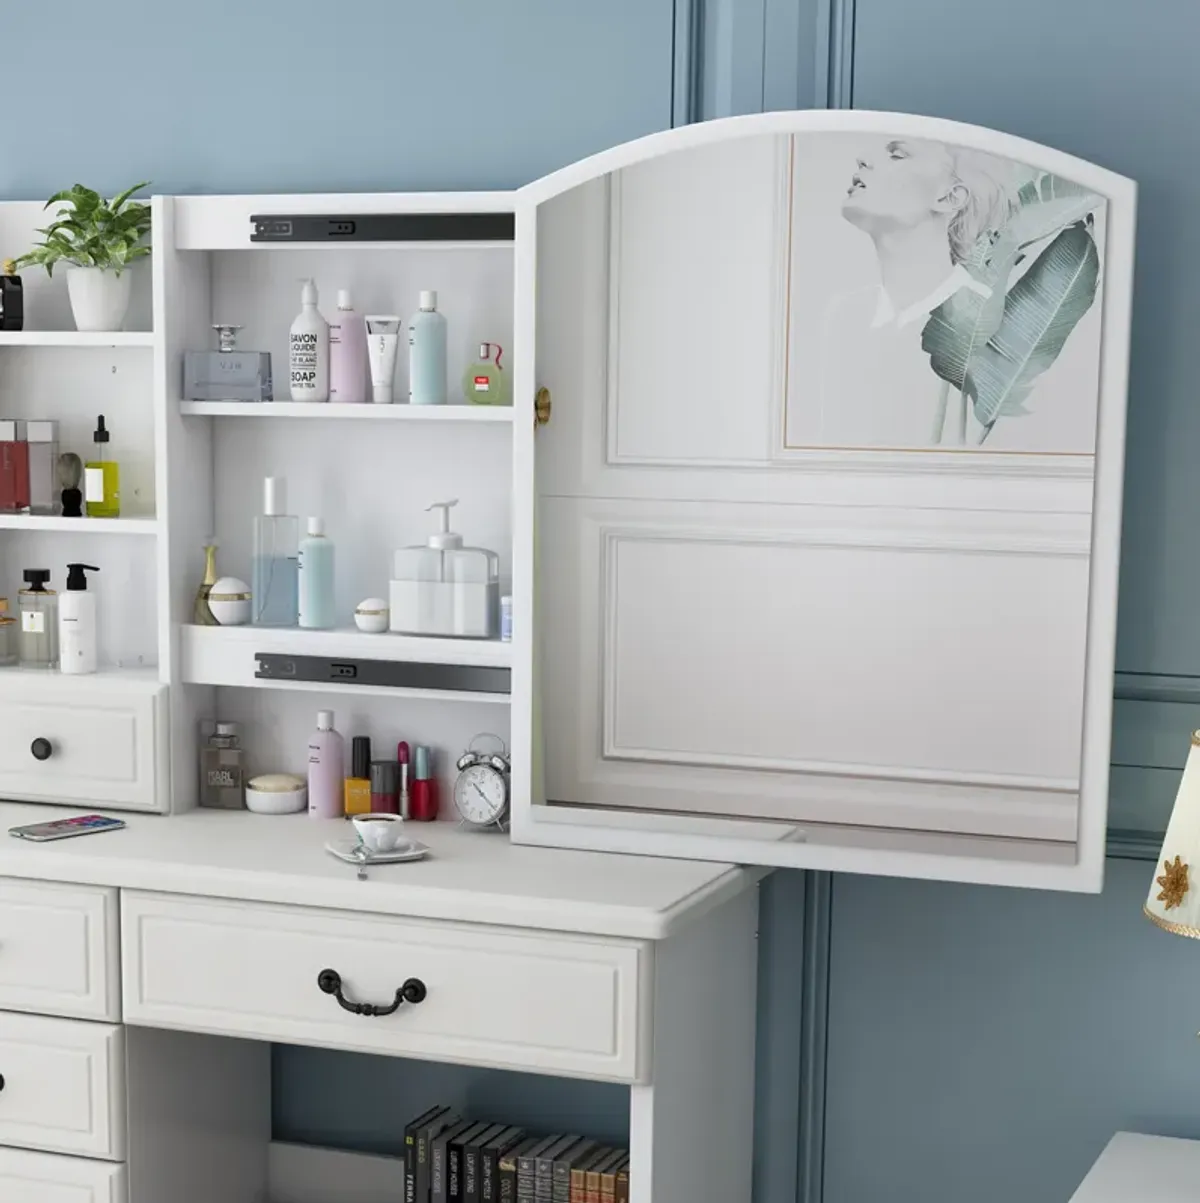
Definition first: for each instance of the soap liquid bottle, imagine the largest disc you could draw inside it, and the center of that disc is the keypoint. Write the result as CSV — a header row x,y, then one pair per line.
x,y
276,559
427,354
317,610
77,623
308,350
102,477
348,376
326,756
485,382
39,620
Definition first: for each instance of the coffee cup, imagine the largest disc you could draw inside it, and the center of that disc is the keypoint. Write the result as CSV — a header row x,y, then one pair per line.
x,y
379,833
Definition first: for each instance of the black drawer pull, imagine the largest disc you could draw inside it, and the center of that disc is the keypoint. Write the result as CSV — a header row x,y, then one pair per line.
x,y
412,992
41,748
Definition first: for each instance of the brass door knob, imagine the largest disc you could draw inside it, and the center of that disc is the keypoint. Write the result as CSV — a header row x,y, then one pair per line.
x,y
541,407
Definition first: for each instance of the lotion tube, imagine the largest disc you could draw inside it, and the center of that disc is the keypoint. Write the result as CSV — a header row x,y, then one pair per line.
x,y
383,338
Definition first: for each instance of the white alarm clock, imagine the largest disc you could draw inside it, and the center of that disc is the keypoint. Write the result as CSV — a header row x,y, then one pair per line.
x,y
481,788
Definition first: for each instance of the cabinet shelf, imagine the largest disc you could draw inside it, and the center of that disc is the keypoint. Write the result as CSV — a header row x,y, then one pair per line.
x,y
228,656
336,412
76,338
91,526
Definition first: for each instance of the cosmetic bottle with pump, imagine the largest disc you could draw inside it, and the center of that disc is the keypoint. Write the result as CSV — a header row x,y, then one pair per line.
x,y
274,588
326,769
102,477
358,784
317,611
347,353
427,354
39,620
77,623
308,350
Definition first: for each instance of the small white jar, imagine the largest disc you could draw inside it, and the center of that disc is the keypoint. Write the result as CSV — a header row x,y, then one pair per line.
x,y
276,794
371,616
229,602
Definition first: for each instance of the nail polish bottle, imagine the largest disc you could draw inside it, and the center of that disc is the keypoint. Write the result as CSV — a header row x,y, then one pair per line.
x,y
423,807
358,784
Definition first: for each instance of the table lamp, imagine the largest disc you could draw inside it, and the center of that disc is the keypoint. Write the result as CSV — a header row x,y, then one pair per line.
x,y
1174,902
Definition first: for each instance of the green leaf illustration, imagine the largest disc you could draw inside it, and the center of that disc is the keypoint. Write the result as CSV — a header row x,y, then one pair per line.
x,y
1040,311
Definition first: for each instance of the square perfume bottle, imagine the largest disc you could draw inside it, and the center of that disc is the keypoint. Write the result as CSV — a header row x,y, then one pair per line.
x,y
227,374
42,438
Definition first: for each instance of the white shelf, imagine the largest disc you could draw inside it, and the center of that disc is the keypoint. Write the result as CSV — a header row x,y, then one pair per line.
x,y
91,526
76,338
335,412
226,656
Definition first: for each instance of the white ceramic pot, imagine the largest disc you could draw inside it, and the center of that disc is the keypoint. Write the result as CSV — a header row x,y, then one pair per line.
x,y
99,298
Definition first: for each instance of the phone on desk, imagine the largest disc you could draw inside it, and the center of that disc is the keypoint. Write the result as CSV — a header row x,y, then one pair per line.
x,y
63,829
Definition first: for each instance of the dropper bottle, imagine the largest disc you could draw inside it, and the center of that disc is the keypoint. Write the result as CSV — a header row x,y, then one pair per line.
x,y
102,477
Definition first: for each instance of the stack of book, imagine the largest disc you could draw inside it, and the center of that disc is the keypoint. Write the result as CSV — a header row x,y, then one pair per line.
x,y
449,1159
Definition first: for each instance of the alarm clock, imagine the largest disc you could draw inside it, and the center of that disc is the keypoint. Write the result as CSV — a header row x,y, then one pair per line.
x,y
481,787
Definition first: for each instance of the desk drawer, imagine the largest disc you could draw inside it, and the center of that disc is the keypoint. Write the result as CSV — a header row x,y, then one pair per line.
x,y
522,1000
94,740
64,1086
43,1178
58,950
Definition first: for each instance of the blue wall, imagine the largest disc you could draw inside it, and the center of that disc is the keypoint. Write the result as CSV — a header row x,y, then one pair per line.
x,y
919,1042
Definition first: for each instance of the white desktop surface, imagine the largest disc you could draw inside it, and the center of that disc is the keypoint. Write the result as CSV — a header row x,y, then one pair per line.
x,y
473,877
1153,1169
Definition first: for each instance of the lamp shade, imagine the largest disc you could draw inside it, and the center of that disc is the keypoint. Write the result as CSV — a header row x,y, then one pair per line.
x,y
1174,902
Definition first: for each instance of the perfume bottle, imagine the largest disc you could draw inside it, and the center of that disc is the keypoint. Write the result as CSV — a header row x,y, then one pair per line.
x,y
39,620
202,615
485,382
102,477
221,769
12,298
43,467
227,374
276,560
14,467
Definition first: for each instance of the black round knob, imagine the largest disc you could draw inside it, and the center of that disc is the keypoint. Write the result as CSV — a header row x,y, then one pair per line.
x,y
41,748
329,981
1,1081
414,990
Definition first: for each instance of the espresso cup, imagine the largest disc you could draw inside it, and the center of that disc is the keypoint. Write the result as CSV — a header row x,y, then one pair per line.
x,y
379,833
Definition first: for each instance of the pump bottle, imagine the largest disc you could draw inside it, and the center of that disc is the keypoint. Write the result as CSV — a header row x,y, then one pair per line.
x,y
77,622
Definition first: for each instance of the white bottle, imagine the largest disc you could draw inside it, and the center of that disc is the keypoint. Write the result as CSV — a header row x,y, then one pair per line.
x,y
77,623
317,611
308,350
348,377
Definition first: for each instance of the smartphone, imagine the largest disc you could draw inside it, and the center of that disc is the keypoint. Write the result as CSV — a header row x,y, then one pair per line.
x,y
63,829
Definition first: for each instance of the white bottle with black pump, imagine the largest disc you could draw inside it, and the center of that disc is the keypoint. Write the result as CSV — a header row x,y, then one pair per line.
x,y
77,622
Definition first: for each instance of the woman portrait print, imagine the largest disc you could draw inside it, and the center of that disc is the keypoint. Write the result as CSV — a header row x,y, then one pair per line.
x,y
906,254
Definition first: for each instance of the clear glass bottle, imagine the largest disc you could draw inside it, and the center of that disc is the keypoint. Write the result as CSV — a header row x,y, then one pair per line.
x,y
221,768
275,587
39,620
43,467
227,374
8,636
14,467
444,588
102,477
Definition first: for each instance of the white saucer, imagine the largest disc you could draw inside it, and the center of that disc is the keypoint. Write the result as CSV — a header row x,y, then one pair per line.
x,y
346,848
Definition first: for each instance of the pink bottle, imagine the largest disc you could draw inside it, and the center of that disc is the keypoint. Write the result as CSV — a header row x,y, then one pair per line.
x,y
326,769
348,376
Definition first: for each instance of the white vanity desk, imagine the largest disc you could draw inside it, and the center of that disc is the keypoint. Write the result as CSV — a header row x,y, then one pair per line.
x,y
210,925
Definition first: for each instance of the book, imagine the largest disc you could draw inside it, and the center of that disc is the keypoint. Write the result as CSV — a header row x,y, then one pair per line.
x,y
509,1162
579,1173
454,1162
489,1161
410,1151
527,1165
426,1134
561,1182
596,1170
471,1152
439,1184
608,1179
622,1191
543,1174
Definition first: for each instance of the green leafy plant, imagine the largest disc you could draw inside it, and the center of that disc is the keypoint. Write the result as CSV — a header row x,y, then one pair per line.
x,y
89,231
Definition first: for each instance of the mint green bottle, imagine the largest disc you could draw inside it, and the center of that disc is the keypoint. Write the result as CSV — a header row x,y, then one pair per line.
x,y
427,354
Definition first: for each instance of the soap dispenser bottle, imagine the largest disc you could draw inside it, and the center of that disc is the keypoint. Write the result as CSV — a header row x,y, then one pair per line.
x,y
77,623
308,350
444,588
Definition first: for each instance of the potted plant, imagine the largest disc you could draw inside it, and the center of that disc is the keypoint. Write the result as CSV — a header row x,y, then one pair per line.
x,y
99,239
